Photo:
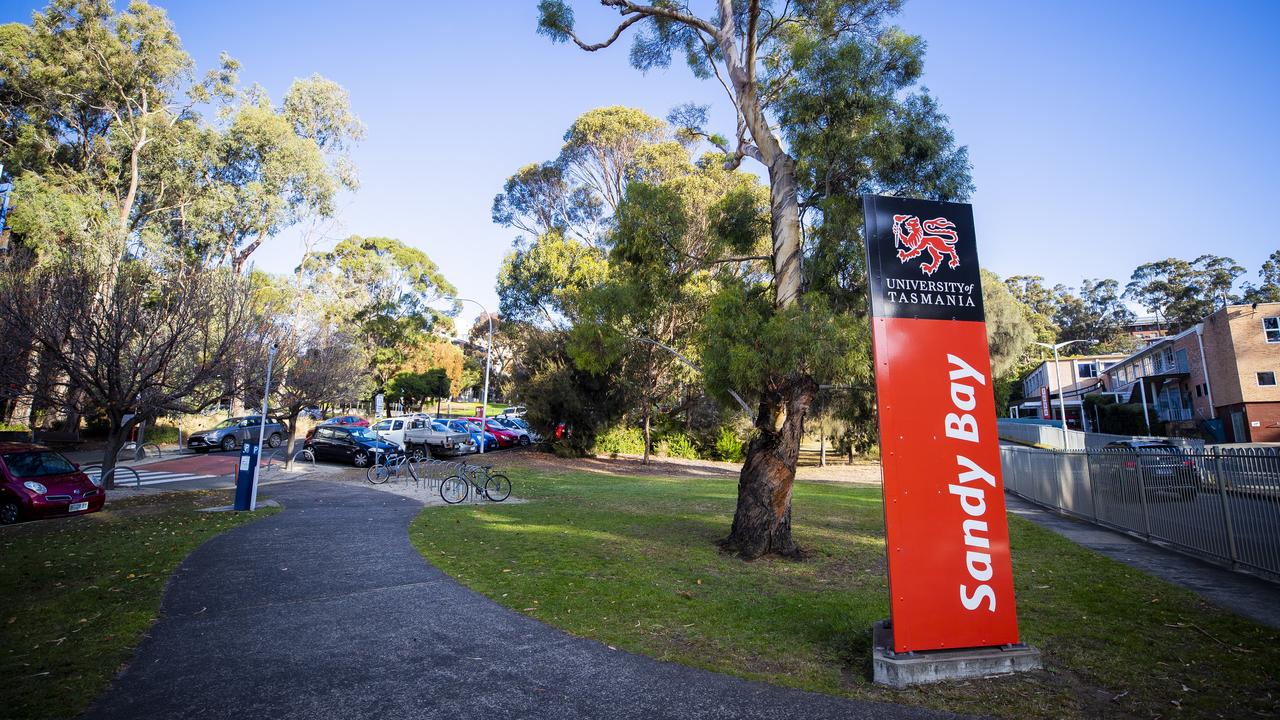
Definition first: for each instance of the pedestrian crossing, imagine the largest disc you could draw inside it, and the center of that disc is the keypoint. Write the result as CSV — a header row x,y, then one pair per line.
x,y
149,477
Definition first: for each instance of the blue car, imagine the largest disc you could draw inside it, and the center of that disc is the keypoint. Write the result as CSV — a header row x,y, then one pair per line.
x,y
490,440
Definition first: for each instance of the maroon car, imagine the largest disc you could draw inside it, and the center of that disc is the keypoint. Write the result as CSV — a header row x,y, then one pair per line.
x,y
347,421
36,482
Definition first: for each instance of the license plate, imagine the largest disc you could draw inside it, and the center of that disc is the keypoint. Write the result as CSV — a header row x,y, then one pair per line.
x,y
77,507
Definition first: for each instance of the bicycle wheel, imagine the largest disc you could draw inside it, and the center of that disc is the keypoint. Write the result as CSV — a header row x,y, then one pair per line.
x,y
378,474
453,490
497,488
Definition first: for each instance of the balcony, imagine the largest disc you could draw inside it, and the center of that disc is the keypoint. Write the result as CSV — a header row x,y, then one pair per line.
x,y
1169,366
1170,414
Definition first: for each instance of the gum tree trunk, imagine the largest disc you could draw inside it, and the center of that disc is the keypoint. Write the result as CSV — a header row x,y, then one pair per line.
x,y
117,436
762,520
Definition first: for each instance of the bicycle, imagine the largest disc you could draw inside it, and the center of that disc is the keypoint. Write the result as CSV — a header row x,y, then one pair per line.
x,y
456,488
379,473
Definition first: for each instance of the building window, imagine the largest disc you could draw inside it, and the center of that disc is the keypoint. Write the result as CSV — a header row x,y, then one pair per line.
x,y
1087,370
1266,378
1198,391
1271,326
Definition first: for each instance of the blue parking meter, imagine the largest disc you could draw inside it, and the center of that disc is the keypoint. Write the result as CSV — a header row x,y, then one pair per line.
x,y
244,475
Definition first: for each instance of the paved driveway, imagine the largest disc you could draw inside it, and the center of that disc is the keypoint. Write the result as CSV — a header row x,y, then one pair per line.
x,y
327,611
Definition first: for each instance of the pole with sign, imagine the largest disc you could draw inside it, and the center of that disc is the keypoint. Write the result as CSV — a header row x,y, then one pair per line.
x,y
947,538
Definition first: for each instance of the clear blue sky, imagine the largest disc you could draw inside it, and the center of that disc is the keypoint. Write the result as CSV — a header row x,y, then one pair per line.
x,y
1102,134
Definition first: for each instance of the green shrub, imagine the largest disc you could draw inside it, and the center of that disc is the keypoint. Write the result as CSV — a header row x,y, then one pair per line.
x,y
14,427
620,439
728,445
677,445
162,434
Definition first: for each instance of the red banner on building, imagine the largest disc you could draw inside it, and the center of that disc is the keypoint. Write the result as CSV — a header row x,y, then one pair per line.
x,y
1045,412
947,538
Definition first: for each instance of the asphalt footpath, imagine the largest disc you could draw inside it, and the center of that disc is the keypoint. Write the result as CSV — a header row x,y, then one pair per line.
x,y
326,611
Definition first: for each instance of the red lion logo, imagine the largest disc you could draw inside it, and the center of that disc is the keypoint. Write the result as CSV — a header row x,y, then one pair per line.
x,y
938,236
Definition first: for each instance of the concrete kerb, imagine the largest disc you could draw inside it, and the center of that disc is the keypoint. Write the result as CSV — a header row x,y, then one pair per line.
x,y
232,508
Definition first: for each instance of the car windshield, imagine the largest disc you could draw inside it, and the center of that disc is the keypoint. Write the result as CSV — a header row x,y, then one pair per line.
x,y
37,463
438,427
384,425
228,423
364,434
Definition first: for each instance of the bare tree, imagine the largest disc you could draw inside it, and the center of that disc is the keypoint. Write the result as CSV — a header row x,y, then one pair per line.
x,y
311,368
158,342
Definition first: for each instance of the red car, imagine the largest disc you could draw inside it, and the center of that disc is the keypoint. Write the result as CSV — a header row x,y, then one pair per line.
x,y
347,421
36,482
505,437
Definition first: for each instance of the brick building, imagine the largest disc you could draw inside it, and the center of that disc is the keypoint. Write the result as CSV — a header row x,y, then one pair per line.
x,y
1075,376
1243,366
1219,375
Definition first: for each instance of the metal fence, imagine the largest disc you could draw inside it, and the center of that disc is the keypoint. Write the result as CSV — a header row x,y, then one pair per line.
x,y
1219,504
1049,434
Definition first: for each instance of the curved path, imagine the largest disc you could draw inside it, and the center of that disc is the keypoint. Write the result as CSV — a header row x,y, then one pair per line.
x,y
326,611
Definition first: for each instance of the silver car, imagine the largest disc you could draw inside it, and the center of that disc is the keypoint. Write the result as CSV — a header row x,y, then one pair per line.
x,y
234,432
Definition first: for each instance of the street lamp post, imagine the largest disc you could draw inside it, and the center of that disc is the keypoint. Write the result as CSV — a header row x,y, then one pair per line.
x,y
262,429
488,354
1062,408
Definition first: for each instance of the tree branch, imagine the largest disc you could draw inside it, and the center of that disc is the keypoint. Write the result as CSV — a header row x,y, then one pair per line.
x,y
612,38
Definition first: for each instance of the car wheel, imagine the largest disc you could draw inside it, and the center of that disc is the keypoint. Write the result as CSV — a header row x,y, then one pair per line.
x,y
524,441
274,440
9,512
360,459
229,443
416,453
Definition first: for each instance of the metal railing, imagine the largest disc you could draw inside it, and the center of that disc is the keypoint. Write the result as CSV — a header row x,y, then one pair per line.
x,y
1220,504
94,470
1049,434
1172,412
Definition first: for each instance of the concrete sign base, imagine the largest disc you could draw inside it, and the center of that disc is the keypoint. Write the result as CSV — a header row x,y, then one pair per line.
x,y
915,668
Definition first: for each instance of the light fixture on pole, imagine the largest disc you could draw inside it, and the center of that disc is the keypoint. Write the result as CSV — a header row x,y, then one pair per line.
x,y
1062,408
262,428
488,352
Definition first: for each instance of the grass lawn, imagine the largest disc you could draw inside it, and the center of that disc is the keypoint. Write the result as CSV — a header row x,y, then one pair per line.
x,y
632,562
77,595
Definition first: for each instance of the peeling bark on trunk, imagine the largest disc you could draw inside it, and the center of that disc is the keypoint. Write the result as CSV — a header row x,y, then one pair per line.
x,y
762,520
646,431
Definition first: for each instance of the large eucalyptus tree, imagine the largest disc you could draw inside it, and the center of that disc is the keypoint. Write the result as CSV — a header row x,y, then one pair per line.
x,y
754,50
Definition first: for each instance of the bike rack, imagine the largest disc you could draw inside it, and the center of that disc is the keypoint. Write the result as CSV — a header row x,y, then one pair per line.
x,y
431,473
137,479
306,455
133,447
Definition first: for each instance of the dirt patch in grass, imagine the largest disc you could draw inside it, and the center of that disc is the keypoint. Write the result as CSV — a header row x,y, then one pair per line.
x,y
630,560
79,593
859,472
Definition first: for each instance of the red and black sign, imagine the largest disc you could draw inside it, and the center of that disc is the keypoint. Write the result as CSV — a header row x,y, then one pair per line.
x,y
947,538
